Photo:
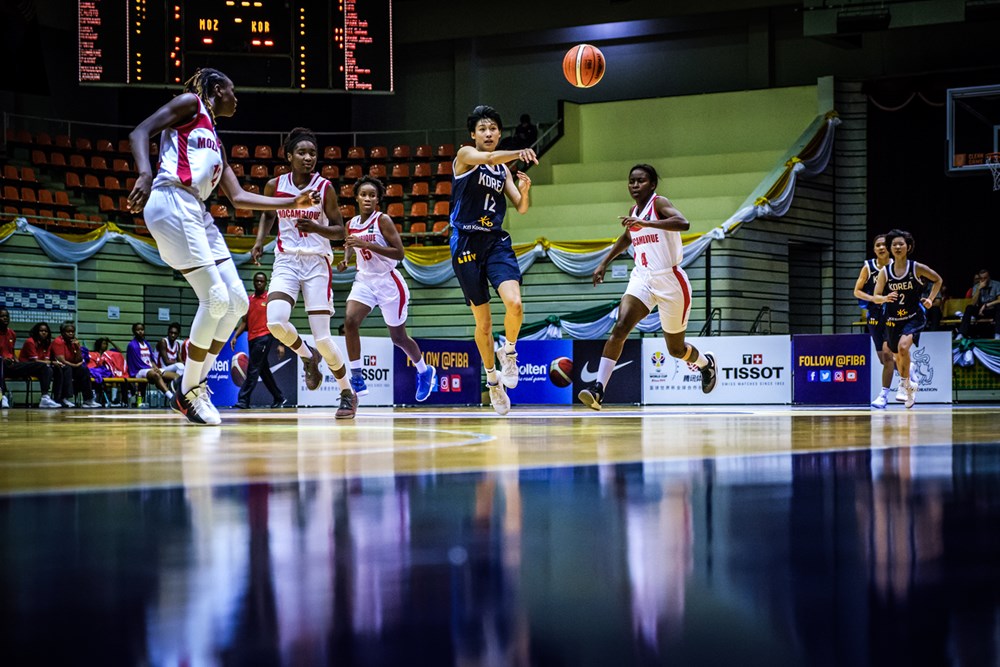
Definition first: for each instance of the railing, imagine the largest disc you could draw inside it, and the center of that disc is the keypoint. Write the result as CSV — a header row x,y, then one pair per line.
x,y
715,314
764,313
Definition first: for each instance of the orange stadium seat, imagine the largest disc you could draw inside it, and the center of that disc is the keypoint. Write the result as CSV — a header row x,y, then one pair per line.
x,y
219,211
239,152
83,144
63,141
347,211
443,170
442,226
379,153
10,193
62,199
10,174
124,147
331,153
45,197
28,175
418,209
442,209
442,189
280,169
422,170
244,213
43,139
28,195
418,227
112,184
394,191
346,191
420,189
119,166
377,171
356,153
445,150
98,163
234,230
105,204
395,211
90,182
73,180
258,171
330,172
57,160
252,187
104,146
38,158
77,162
353,172
401,152
401,171
424,152
237,169
262,152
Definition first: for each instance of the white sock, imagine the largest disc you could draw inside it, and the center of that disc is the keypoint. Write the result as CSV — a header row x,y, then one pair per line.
x,y
206,369
605,370
421,366
356,365
192,374
508,347
885,391
491,376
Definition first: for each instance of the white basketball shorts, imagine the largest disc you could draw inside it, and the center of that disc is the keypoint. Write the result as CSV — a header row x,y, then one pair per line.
x,y
185,232
311,274
669,290
387,291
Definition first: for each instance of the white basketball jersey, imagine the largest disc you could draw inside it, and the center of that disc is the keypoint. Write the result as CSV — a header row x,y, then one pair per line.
x,y
370,263
655,249
290,239
173,352
191,156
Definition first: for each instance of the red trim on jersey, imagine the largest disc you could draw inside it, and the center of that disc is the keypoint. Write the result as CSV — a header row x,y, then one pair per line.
x,y
685,289
402,292
183,133
329,281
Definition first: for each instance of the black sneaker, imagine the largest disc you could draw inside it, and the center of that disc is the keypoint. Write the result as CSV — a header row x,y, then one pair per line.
x,y
314,378
277,405
592,396
348,404
242,405
709,374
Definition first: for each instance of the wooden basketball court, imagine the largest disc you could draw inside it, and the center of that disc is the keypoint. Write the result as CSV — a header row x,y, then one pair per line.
x,y
655,535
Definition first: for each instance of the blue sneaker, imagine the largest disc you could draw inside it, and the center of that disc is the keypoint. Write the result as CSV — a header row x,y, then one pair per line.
x,y
358,384
426,383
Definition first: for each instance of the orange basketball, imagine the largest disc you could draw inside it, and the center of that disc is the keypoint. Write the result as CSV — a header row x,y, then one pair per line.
x,y
583,65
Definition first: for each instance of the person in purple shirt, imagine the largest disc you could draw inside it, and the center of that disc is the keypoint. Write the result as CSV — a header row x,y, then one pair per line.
x,y
140,362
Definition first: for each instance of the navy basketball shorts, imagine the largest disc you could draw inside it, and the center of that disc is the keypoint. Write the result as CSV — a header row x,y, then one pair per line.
x,y
876,328
480,260
910,327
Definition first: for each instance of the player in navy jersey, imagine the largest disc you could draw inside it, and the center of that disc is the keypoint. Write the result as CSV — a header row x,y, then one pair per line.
x,y
864,291
481,251
903,308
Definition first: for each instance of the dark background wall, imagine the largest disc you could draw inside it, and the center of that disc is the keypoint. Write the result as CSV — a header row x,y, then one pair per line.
x,y
452,55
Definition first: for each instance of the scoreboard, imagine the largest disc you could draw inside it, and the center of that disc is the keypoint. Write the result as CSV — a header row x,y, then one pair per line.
x,y
305,45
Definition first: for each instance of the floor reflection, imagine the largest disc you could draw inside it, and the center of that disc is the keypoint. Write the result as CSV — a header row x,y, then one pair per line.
x,y
866,557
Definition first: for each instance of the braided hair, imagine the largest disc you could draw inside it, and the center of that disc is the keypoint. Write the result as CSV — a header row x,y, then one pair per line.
x,y
202,83
295,136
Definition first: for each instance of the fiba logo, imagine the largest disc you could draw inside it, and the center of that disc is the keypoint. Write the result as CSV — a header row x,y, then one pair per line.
x,y
658,360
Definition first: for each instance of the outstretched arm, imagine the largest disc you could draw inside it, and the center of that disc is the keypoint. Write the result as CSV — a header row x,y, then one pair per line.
x,y
469,157
242,199
618,248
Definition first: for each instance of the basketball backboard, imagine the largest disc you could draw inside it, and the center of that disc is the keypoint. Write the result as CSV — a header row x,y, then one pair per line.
x,y
973,128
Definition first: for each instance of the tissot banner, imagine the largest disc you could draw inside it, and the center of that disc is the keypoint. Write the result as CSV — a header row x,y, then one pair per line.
x,y
752,370
377,369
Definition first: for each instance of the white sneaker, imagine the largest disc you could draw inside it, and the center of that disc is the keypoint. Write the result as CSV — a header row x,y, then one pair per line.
x,y
911,396
196,406
47,402
92,404
508,368
901,393
498,398
4,404
880,401
206,400
66,403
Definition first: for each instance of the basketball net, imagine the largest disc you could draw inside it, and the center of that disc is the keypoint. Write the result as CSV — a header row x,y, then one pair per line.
x,y
993,162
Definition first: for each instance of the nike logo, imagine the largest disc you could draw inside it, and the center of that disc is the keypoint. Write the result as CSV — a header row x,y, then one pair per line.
x,y
587,376
279,365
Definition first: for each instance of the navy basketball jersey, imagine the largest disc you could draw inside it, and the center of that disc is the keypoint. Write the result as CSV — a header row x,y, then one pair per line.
x,y
478,202
869,286
908,287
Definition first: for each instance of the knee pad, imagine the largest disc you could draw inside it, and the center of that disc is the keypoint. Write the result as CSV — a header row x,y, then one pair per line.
x,y
330,351
239,302
218,300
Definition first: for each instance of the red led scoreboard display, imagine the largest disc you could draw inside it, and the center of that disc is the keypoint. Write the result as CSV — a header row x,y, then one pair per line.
x,y
309,45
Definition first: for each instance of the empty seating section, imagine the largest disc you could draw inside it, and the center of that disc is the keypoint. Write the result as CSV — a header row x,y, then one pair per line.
x,y
76,180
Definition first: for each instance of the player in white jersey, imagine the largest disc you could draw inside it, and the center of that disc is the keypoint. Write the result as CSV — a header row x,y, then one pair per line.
x,y
373,240
302,262
169,352
652,228
192,163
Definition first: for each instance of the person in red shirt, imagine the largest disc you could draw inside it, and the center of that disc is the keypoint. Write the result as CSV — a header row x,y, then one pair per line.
x,y
75,376
20,370
260,341
38,347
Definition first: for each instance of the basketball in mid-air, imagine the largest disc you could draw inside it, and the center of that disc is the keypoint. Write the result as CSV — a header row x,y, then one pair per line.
x,y
583,65
561,372
238,368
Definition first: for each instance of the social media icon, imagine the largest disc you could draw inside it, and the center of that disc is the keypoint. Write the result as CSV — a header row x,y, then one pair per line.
x,y
852,376
838,376
826,376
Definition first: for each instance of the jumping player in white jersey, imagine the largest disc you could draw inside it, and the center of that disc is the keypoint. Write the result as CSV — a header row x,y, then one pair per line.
x,y
192,163
302,261
481,251
652,228
372,238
